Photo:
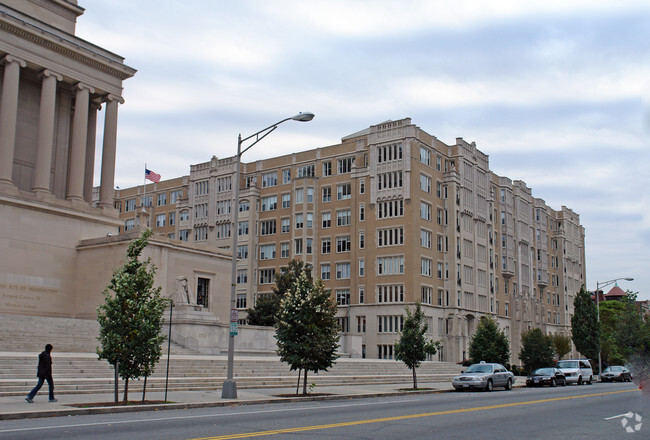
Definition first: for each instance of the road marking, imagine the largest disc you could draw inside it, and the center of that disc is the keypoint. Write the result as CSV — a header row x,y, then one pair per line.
x,y
405,417
239,413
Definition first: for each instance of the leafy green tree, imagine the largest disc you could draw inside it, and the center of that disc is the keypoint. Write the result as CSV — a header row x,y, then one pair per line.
x,y
413,345
267,307
561,345
611,314
130,320
536,349
305,328
489,344
630,327
585,328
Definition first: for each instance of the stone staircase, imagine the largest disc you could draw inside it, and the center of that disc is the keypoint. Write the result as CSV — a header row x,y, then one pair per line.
x,y
77,370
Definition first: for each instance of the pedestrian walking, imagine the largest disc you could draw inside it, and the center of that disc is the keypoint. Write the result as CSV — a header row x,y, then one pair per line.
x,y
44,373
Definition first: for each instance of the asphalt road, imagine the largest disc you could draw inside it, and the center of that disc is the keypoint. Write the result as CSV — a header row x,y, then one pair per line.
x,y
575,412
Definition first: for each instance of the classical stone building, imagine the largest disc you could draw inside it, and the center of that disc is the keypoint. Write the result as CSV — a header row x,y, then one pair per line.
x,y
388,217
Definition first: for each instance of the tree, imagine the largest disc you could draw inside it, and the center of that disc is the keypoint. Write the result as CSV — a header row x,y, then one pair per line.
x,y
585,329
611,314
561,344
489,344
267,307
130,320
306,328
413,345
536,349
630,327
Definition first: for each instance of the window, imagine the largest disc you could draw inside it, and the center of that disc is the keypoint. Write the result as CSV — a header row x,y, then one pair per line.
x,y
310,195
343,324
224,184
202,291
342,271
300,192
362,186
389,180
425,267
343,244
242,251
361,267
426,293
385,351
390,265
390,323
242,229
299,221
394,208
223,230
327,169
129,205
251,181
425,238
241,301
425,183
146,201
267,276
362,213
242,276
342,297
160,220
267,251
175,196
425,211
425,156
286,225
343,191
345,165
284,250
362,295
310,220
172,218
223,207
438,163
286,200
269,179
325,246
201,233
267,227
390,237
183,234
439,189
306,171
325,271
286,175
309,245
162,199
244,206
269,203
201,210
390,293
362,240
361,324
185,215
343,218
389,153
326,219
129,224
201,188
327,194
298,246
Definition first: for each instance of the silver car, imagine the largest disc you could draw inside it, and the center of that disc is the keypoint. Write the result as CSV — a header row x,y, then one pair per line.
x,y
484,376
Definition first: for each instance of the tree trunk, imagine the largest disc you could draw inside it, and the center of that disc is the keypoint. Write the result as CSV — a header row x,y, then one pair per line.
x,y
144,388
304,383
126,390
298,384
415,381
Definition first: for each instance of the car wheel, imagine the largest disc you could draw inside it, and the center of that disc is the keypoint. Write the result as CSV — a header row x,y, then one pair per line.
x,y
591,379
553,383
509,385
579,380
564,382
489,385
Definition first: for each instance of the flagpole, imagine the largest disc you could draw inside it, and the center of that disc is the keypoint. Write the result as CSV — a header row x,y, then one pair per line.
x,y
144,194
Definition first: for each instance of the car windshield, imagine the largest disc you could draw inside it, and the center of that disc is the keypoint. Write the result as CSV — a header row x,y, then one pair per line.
x,y
567,364
614,369
479,368
543,372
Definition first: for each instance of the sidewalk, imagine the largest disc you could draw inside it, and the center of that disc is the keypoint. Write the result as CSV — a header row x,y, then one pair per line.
x,y
15,407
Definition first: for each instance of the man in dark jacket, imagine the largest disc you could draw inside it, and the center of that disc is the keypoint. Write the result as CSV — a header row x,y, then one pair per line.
x,y
44,373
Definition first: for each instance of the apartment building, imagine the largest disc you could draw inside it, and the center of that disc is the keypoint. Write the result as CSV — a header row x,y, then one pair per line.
x,y
388,217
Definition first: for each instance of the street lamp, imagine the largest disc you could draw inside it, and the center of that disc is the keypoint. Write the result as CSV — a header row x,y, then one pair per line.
x,y
229,390
600,285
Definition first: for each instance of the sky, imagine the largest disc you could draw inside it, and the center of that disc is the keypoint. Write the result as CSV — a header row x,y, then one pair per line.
x,y
557,94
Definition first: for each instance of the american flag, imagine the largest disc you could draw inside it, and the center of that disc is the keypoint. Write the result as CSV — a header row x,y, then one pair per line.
x,y
150,175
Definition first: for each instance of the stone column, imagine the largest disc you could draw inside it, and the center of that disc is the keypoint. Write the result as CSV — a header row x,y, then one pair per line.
x,y
77,163
108,152
8,114
43,169
95,105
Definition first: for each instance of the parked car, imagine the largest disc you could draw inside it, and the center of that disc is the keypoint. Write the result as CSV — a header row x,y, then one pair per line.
x,y
576,371
546,376
484,376
616,372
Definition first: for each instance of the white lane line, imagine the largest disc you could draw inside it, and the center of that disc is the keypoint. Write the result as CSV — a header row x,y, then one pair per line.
x,y
120,422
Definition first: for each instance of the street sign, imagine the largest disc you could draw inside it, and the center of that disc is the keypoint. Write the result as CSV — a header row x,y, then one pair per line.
x,y
233,328
234,315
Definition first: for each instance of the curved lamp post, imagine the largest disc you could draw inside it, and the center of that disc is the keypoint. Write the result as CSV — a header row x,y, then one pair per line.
x,y
600,285
229,390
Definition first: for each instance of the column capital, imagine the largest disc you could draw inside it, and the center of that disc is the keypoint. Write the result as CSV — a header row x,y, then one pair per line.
x,y
46,73
111,97
12,59
82,86
96,104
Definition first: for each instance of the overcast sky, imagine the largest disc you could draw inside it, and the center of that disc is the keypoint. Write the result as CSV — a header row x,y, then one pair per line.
x,y
557,94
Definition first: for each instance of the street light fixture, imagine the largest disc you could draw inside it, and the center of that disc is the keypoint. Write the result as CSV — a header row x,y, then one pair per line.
x,y
229,389
600,285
